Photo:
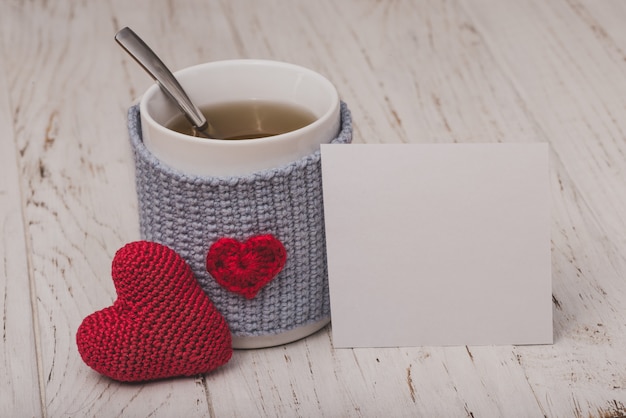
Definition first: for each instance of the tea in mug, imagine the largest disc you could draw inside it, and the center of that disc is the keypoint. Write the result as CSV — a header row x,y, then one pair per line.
x,y
248,119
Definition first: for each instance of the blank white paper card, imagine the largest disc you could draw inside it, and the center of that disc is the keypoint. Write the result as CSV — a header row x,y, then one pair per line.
x,y
438,244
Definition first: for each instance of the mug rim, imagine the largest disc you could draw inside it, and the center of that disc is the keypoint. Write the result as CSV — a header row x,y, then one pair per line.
x,y
154,89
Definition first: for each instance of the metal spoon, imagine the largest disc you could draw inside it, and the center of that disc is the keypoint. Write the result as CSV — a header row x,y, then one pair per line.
x,y
150,62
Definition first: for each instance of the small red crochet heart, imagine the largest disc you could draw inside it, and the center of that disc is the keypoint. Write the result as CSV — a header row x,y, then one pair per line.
x,y
245,267
161,325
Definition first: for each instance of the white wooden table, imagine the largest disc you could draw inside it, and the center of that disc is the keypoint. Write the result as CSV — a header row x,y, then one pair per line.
x,y
411,71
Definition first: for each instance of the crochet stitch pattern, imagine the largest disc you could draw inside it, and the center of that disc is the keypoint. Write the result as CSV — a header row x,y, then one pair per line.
x,y
161,325
190,213
245,267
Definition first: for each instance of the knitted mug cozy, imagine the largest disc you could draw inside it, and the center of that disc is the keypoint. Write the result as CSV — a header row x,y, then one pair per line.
x,y
195,214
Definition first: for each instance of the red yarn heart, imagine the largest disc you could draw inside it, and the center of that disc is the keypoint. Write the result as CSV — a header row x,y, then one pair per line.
x,y
245,267
161,325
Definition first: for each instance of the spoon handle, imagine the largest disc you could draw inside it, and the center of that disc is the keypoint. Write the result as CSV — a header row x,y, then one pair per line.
x,y
150,62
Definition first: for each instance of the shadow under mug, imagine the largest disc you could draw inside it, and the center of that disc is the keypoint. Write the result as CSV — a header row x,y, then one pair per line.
x,y
190,207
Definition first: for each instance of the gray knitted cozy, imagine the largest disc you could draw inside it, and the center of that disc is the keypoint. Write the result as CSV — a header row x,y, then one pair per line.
x,y
189,213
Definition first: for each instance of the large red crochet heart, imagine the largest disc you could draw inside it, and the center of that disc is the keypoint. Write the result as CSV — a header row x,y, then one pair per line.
x,y
161,325
245,267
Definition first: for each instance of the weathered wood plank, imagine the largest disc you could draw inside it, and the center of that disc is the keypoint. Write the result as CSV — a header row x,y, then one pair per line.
x,y
19,375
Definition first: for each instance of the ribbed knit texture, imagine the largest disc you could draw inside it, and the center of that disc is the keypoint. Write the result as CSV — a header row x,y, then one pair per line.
x,y
190,213
161,325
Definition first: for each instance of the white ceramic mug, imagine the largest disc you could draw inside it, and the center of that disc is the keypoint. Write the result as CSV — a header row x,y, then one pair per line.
x,y
233,81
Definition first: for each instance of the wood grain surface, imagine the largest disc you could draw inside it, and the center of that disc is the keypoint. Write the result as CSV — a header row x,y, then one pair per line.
x,y
412,71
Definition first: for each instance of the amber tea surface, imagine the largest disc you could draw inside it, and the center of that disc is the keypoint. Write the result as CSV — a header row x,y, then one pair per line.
x,y
248,119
